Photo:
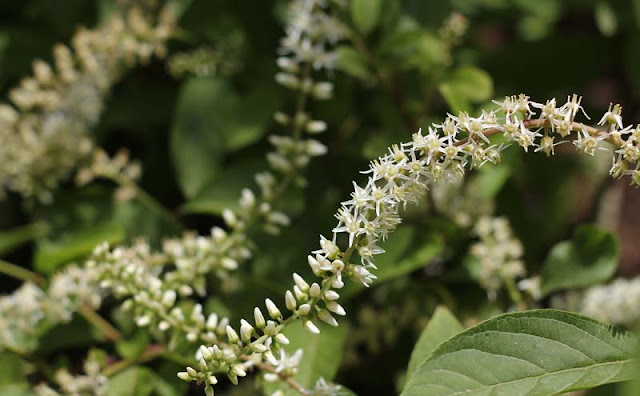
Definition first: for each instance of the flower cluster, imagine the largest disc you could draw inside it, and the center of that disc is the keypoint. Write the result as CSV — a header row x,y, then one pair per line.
x,y
498,254
118,168
30,311
91,383
44,131
372,213
151,283
617,303
310,31
292,152
225,59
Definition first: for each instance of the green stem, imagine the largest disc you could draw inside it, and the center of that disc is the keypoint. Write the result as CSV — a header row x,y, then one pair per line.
x,y
150,353
19,235
514,293
18,272
111,333
148,200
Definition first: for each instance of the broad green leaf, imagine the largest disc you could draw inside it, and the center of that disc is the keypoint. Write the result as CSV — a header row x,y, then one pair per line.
x,y
489,180
442,326
133,345
630,388
399,259
18,389
420,257
51,254
590,257
540,17
224,191
352,62
139,381
538,352
197,140
429,53
454,98
12,238
321,355
13,376
211,118
466,85
366,14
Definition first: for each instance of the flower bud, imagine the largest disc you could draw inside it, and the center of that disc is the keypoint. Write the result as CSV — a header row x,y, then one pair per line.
x,y
290,301
310,327
259,318
331,295
304,309
246,331
232,335
273,310
281,339
300,282
314,291
326,317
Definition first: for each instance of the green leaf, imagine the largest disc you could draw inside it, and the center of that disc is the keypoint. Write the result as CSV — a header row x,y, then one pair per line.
x,y
13,374
197,143
21,389
442,326
139,381
132,346
51,254
590,257
12,238
321,357
538,352
489,180
400,258
352,62
224,191
466,85
366,14
211,119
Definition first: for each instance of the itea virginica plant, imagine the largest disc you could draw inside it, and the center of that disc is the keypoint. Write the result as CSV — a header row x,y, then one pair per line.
x,y
444,152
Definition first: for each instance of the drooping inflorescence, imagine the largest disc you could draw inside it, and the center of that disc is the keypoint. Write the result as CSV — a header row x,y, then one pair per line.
x,y
401,177
151,283
498,254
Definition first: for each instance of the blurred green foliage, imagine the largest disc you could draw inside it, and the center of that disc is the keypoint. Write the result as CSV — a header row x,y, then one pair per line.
x,y
202,139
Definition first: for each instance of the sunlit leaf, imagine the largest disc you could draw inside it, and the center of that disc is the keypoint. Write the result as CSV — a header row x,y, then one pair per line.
x,y
539,352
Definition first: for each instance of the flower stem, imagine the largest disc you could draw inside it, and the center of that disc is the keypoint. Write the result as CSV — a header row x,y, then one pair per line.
x,y
18,272
19,235
148,200
283,377
111,333
514,293
150,353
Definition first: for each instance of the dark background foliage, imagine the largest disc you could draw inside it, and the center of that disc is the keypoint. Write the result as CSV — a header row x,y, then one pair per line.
x,y
201,139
